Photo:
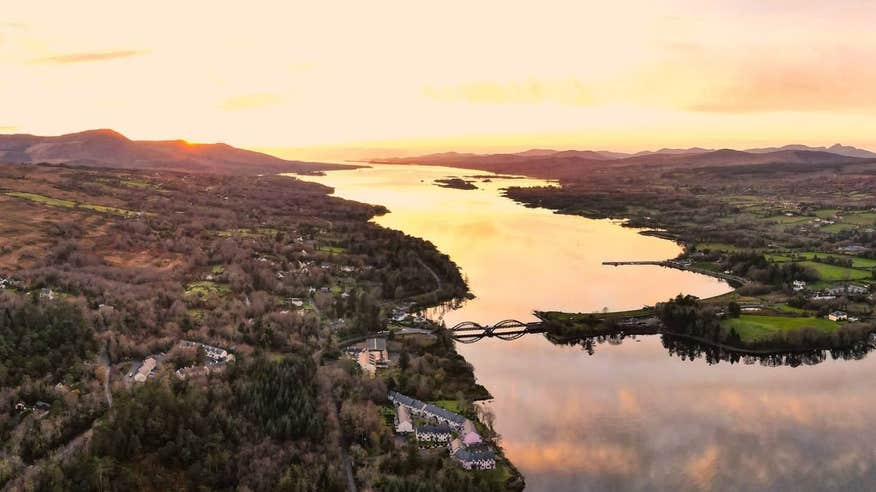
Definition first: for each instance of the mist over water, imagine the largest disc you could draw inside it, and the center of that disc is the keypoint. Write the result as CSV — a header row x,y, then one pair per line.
x,y
629,416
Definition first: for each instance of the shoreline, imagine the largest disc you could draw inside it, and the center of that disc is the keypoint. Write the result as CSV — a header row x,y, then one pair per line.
x,y
561,333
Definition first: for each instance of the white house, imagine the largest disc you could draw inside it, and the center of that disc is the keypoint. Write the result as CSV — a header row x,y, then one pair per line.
x,y
837,316
145,369
848,289
799,285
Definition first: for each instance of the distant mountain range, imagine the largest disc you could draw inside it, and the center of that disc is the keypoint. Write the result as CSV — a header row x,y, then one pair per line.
x,y
568,164
107,148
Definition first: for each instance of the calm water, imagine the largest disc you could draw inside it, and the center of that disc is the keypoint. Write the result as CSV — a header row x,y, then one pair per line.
x,y
630,416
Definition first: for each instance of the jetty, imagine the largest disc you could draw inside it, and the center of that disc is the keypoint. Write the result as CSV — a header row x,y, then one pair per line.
x,y
682,265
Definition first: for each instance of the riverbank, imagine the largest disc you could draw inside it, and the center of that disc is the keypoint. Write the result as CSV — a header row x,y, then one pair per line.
x,y
751,334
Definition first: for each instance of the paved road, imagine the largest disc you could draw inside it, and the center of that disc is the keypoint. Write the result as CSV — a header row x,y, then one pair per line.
x,y
348,470
104,360
434,275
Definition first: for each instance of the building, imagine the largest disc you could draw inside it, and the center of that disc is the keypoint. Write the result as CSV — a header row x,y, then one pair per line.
x,y
433,435
145,369
848,289
477,457
365,361
799,285
444,416
852,248
837,316
373,355
195,371
403,424
819,297
215,354
470,434
429,411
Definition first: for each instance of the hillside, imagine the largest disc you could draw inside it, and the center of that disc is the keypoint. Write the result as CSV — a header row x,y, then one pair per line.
x,y
574,165
107,148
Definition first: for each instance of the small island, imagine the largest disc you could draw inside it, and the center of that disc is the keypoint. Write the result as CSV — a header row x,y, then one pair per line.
x,y
457,183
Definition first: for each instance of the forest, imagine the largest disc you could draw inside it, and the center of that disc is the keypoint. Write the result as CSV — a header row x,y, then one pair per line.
x,y
101,269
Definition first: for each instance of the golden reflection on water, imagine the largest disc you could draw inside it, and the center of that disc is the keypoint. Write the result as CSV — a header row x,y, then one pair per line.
x,y
630,417
518,259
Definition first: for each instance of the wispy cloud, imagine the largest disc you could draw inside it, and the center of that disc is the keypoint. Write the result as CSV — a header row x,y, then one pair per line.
x,y
7,128
90,56
251,101
760,88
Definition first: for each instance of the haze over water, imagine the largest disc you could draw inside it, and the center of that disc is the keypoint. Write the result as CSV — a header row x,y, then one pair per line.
x,y
629,417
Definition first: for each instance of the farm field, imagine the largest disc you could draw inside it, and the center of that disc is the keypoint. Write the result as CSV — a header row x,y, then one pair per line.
x,y
752,327
833,273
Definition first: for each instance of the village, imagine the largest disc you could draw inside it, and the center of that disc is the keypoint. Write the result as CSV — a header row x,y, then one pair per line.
x,y
207,359
429,425
433,426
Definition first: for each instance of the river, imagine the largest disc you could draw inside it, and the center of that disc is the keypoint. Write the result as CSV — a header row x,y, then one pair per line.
x,y
628,415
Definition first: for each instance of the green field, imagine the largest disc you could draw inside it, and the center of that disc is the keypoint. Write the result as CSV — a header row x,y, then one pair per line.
x,y
865,218
723,247
752,328
56,202
832,273
206,288
857,261
332,249
784,219
41,199
451,405
826,213
789,309
142,185
838,227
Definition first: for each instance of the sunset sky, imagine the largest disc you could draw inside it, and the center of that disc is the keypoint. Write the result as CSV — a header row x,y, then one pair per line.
x,y
307,78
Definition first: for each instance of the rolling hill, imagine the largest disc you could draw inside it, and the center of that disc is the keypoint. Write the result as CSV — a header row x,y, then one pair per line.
x,y
107,148
570,165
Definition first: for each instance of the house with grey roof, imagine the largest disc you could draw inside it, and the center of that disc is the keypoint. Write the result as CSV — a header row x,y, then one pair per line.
x,y
475,457
433,435
429,411
848,289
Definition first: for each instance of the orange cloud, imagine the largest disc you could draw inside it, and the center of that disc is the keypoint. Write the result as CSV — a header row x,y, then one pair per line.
x,y
90,56
793,89
251,101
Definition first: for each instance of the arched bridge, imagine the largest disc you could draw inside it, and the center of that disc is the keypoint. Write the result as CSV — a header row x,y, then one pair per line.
x,y
509,329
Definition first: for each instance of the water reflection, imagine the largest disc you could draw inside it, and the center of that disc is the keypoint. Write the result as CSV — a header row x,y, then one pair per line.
x,y
518,259
643,413
691,350
620,414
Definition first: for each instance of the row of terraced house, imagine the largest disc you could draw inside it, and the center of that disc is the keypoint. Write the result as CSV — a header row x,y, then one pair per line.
x,y
467,448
